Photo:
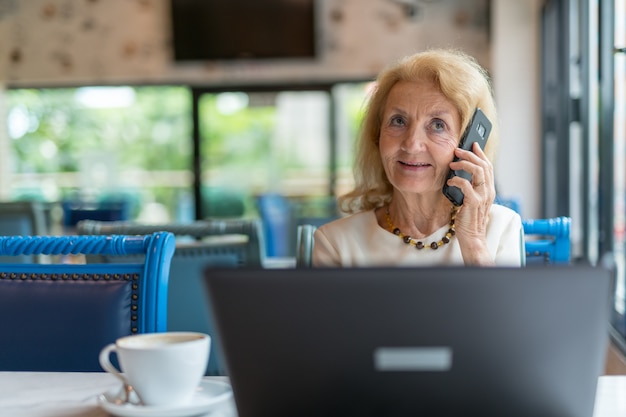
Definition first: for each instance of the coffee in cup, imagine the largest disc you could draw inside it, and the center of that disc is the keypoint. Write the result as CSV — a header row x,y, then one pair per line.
x,y
163,368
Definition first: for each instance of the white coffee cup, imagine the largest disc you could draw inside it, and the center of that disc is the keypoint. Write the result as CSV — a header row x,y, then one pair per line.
x,y
163,368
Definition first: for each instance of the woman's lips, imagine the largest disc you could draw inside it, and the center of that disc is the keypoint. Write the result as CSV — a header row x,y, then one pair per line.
x,y
414,164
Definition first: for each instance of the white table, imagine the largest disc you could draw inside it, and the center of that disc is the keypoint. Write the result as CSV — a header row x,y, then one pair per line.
x,y
610,397
63,394
40,394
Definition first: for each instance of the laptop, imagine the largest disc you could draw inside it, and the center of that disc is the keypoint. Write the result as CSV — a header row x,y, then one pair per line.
x,y
443,341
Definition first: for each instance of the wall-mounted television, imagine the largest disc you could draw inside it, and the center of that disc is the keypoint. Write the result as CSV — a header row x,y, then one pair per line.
x,y
243,29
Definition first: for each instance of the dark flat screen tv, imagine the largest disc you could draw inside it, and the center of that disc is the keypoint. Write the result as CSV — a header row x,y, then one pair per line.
x,y
243,29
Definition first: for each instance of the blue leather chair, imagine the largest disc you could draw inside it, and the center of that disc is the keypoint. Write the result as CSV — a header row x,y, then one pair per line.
x,y
77,210
277,214
234,243
57,317
547,241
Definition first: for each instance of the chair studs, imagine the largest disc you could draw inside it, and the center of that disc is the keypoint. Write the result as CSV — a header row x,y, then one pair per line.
x,y
124,280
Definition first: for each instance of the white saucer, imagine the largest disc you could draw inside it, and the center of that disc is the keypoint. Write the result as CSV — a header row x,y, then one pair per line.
x,y
210,395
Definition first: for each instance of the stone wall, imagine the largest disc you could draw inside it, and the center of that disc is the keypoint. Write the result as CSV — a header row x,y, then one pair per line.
x,y
94,42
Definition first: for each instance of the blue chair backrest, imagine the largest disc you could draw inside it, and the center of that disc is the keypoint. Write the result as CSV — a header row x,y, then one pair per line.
x,y
547,240
188,308
276,212
57,317
75,211
250,252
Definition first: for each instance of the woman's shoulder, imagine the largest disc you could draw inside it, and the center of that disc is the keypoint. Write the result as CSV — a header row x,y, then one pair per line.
x,y
361,218
502,210
504,215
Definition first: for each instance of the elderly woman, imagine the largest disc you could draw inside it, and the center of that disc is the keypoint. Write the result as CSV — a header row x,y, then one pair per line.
x,y
410,136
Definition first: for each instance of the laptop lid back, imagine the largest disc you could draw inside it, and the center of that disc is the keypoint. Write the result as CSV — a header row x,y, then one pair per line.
x,y
407,341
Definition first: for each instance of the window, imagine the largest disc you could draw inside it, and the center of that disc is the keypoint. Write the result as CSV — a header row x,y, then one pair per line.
x,y
102,143
281,155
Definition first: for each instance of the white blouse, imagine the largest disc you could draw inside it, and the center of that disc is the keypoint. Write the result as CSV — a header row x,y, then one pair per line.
x,y
358,241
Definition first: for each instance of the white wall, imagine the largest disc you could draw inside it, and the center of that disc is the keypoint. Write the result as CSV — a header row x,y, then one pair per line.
x,y
516,75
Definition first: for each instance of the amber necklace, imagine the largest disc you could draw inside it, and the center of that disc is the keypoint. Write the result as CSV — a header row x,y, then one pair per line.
x,y
418,243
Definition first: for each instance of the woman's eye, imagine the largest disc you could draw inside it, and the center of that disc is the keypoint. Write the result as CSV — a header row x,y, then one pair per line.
x,y
438,125
397,121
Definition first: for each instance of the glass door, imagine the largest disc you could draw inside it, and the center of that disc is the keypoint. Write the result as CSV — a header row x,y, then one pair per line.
x,y
280,154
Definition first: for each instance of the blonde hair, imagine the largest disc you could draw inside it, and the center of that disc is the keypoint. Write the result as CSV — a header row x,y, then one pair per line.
x,y
459,78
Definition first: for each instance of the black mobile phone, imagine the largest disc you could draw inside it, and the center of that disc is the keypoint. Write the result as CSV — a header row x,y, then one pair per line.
x,y
477,131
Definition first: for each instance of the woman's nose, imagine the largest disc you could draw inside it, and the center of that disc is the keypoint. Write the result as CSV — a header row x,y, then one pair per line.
x,y
414,140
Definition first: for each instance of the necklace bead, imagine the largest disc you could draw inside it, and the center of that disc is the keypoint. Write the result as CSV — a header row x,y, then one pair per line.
x,y
418,243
